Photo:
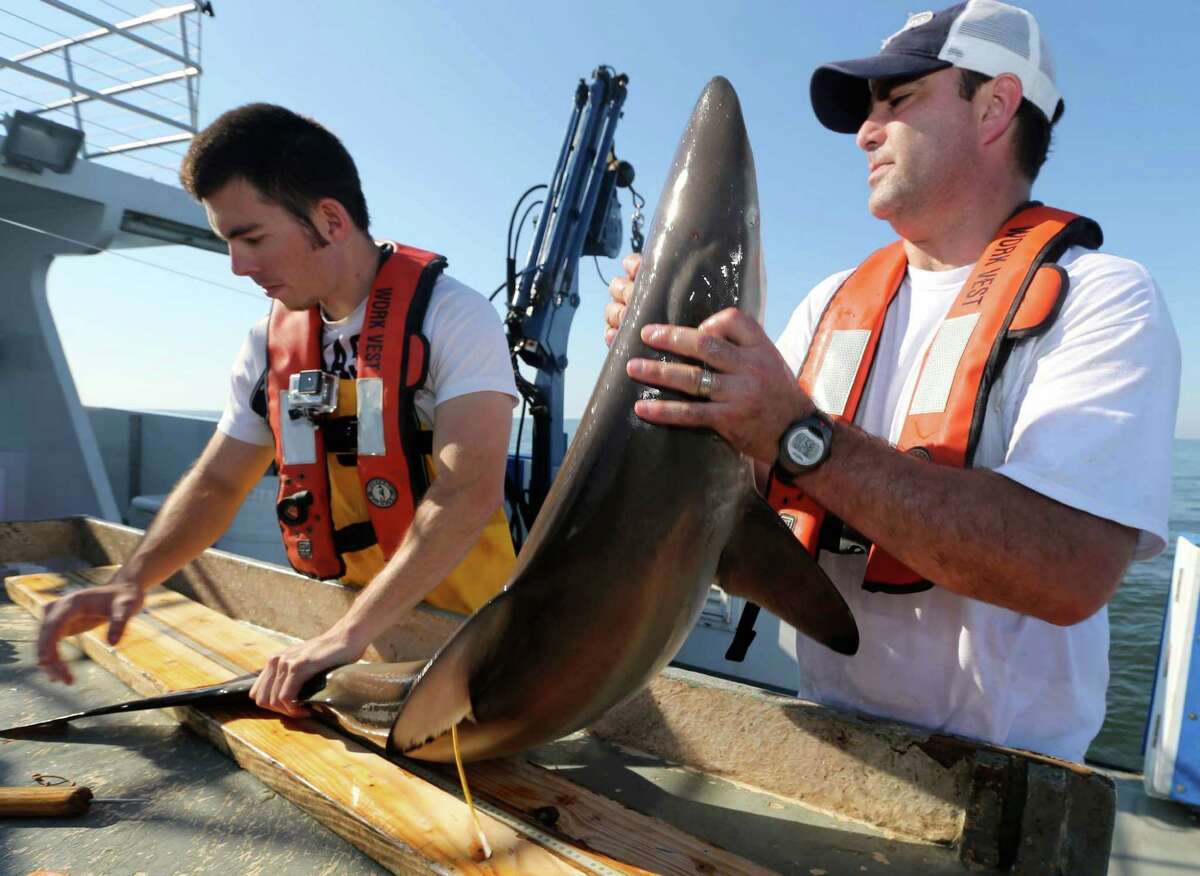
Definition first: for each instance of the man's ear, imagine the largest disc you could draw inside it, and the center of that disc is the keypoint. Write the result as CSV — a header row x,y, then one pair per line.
x,y
1000,99
332,220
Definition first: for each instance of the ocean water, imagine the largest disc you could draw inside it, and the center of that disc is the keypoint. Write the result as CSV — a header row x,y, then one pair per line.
x,y
1135,622
1135,613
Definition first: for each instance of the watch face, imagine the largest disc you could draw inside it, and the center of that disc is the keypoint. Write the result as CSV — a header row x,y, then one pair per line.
x,y
805,447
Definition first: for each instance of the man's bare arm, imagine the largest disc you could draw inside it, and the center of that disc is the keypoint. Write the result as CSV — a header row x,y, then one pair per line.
x,y
973,531
198,510
470,445
194,515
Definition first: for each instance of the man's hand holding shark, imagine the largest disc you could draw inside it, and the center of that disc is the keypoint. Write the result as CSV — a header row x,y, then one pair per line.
x,y
973,531
750,397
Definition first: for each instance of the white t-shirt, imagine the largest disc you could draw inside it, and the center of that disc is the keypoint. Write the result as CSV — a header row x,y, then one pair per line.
x,y
467,353
1084,414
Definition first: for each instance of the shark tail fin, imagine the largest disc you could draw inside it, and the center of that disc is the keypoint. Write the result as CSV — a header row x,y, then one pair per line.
x,y
765,564
235,690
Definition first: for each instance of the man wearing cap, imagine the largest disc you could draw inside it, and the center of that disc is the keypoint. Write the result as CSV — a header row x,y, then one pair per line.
x,y
973,428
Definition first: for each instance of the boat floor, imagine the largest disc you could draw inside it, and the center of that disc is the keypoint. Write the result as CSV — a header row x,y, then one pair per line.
x,y
202,813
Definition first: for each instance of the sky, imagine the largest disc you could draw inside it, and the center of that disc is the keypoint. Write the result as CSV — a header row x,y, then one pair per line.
x,y
452,109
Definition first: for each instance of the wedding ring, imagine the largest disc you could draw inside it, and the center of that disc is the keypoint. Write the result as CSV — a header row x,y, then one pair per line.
x,y
705,387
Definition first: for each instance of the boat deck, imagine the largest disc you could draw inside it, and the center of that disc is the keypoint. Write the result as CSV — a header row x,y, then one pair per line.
x,y
202,813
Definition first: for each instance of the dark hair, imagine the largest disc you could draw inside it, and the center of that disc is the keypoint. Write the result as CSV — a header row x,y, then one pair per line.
x,y
1033,132
290,159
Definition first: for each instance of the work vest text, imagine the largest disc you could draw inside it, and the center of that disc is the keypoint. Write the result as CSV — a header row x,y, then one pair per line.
x,y
1001,250
372,349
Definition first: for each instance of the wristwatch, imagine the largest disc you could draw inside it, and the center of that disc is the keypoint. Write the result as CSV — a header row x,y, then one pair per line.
x,y
804,446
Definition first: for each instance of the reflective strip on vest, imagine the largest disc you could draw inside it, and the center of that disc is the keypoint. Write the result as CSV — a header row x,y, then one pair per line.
x,y
297,439
371,440
941,364
839,367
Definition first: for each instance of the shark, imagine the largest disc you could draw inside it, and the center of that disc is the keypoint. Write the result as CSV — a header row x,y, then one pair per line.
x,y
640,522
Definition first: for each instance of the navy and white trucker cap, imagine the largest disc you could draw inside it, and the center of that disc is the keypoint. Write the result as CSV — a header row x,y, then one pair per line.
x,y
986,36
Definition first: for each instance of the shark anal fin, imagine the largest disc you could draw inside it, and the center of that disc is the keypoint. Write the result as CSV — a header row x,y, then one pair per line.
x,y
363,698
766,565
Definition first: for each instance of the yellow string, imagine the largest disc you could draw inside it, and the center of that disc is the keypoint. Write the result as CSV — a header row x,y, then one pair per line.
x,y
462,777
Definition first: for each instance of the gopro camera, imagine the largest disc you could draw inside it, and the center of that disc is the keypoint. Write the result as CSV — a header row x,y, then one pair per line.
x,y
312,394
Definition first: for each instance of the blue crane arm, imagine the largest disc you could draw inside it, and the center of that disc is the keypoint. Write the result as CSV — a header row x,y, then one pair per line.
x,y
545,293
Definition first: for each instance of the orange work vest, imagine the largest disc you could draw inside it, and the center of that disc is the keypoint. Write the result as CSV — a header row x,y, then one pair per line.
x,y
393,361
1014,292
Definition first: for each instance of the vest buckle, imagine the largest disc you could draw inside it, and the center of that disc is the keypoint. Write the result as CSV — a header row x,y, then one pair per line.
x,y
293,510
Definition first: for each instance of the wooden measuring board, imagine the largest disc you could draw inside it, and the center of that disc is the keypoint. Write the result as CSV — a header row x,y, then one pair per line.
x,y
410,818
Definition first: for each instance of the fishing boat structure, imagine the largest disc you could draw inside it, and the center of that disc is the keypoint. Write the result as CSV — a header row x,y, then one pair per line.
x,y
709,769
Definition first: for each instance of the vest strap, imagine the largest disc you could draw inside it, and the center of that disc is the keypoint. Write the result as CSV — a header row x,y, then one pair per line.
x,y
355,537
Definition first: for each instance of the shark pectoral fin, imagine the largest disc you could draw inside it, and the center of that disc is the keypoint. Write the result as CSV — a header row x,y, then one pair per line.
x,y
765,564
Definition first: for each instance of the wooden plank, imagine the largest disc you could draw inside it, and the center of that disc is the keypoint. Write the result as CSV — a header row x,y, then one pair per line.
x,y
400,820
624,840
585,818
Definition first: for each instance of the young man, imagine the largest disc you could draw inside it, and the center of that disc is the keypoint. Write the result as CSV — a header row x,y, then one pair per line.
x,y
1052,422
368,346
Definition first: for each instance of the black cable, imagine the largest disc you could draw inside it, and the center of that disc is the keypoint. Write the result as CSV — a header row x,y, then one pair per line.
x,y
510,257
508,250
521,227
636,239
521,424
519,274
599,273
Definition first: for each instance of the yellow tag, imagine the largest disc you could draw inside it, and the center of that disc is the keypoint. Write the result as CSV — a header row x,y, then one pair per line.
x,y
484,849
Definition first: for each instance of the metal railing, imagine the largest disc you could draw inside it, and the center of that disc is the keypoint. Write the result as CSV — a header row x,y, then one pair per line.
x,y
130,83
